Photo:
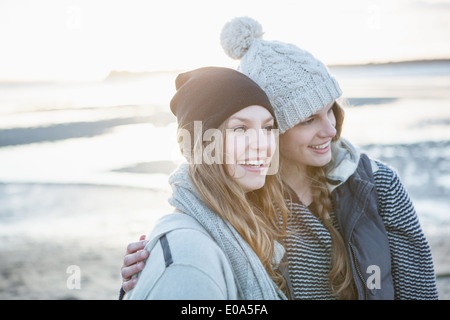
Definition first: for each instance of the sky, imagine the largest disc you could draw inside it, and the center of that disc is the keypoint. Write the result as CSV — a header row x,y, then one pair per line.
x,y
86,39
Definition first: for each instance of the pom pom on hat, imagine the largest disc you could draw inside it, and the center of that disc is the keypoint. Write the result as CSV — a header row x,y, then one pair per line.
x,y
238,35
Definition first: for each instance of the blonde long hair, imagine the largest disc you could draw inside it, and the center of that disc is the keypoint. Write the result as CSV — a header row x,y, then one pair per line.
x,y
341,275
255,215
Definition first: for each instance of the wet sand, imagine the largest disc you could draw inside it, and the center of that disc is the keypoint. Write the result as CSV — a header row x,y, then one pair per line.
x,y
65,225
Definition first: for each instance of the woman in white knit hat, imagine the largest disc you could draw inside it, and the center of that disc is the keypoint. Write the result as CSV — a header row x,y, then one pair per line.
x,y
353,232
353,220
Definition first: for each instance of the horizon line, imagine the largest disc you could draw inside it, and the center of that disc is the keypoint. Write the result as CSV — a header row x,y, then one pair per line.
x,y
128,73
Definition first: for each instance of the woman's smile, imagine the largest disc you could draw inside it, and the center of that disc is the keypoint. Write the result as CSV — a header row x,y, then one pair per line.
x,y
258,165
321,148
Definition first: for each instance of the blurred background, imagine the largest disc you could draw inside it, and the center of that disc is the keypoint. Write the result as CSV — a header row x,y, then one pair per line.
x,y
87,139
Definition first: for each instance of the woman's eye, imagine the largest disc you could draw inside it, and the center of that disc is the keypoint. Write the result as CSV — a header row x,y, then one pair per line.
x,y
308,121
268,128
239,130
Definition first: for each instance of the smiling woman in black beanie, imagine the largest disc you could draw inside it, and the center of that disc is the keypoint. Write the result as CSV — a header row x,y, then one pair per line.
x,y
220,243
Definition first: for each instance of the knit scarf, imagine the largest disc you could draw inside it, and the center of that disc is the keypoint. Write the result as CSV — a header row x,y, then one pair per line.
x,y
343,164
252,280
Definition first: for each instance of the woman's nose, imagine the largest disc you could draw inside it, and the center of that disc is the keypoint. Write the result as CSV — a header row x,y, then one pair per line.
x,y
259,140
328,128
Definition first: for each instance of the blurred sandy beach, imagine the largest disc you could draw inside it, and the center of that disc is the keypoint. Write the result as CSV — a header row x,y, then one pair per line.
x,y
84,167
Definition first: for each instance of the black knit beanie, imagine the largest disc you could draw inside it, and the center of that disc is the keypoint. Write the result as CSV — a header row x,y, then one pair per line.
x,y
212,94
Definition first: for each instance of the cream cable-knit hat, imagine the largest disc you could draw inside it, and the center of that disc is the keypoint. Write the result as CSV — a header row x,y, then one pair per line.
x,y
297,84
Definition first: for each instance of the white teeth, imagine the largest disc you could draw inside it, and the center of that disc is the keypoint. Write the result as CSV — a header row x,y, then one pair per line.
x,y
322,146
253,163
